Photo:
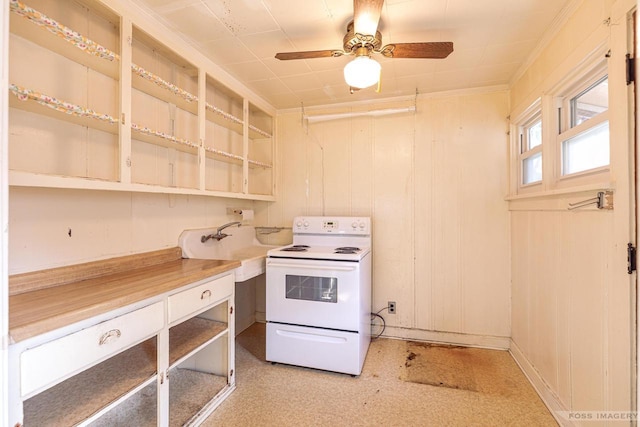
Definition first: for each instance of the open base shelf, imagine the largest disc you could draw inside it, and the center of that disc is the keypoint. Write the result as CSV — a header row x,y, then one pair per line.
x,y
86,393
191,335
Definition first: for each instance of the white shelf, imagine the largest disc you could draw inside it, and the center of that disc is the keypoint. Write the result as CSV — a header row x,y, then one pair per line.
x,y
27,28
153,85
88,392
156,138
191,335
47,109
29,179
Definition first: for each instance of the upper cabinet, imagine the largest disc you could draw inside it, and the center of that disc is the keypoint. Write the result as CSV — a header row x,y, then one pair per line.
x,y
98,102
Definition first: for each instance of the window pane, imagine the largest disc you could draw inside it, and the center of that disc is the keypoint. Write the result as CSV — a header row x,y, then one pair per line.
x,y
589,103
532,169
586,151
534,134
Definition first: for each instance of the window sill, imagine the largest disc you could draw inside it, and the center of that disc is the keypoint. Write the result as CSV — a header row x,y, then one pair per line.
x,y
599,186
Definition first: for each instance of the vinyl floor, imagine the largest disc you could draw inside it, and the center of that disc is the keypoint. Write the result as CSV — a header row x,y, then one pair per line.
x,y
403,383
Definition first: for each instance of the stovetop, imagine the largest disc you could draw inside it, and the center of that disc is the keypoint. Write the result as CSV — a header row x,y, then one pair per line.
x,y
338,253
339,238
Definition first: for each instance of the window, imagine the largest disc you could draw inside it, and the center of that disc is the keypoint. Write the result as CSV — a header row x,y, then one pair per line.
x,y
531,150
584,127
561,140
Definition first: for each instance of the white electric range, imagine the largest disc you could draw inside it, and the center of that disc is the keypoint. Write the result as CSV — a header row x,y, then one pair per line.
x,y
318,302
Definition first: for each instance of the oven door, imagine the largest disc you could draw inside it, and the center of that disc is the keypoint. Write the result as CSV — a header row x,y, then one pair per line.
x,y
320,293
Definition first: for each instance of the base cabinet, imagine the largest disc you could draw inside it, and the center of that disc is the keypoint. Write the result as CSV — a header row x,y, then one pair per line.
x,y
155,373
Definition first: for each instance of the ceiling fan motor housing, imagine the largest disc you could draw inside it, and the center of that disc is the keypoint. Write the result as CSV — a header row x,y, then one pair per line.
x,y
353,41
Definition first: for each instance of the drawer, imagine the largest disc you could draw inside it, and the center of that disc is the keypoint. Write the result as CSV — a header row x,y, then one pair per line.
x,y
49,363
193,300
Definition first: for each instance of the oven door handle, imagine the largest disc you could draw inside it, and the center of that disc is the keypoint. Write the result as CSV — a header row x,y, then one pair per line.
x,y
312,267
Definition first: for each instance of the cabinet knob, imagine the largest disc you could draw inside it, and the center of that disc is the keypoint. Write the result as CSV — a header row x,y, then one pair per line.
x,y
205,294
108,336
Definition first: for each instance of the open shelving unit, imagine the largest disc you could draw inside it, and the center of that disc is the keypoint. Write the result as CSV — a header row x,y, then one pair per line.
x,y
130,113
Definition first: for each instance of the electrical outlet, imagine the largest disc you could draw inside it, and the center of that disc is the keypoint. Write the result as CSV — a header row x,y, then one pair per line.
x,y
392,307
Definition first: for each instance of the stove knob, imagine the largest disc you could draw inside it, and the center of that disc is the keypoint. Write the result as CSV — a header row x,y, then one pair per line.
x,y
306,224
299,224
354,224
362,225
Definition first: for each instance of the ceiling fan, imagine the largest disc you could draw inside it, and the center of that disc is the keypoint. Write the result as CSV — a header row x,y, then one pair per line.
x,y
363,39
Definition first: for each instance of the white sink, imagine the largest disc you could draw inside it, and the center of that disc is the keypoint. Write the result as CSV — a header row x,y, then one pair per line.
x,y
240,245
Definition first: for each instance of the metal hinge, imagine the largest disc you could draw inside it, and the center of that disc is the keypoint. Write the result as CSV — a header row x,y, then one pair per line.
x,y
631,69
230,310
631,258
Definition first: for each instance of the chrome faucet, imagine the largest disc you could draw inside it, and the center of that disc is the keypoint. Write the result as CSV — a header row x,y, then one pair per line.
x,y
219,235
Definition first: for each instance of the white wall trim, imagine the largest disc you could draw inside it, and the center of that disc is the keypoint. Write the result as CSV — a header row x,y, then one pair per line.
x,y
454,338
546,394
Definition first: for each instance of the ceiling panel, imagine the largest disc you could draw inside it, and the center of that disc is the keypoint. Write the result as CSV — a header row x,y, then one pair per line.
x,y
492,39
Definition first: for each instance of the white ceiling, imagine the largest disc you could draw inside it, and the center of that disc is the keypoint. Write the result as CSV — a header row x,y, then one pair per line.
x,y
492,39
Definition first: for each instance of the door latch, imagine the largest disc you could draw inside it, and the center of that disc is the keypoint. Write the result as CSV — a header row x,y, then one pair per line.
x,y
631,258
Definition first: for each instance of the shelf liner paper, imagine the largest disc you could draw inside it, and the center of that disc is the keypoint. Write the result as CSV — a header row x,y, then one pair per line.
x,y
163,135
60,30
93,48
59,105
164,84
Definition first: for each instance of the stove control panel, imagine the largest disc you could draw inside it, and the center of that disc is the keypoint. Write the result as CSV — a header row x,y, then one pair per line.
x,y
332,225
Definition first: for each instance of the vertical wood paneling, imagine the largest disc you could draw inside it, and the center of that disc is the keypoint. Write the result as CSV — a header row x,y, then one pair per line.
x,y
392,216
434,183
423,224
561,272
448,204
336,147
484,217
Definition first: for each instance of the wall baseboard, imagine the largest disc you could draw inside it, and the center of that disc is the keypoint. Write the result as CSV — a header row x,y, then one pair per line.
x,y
548,397
467,340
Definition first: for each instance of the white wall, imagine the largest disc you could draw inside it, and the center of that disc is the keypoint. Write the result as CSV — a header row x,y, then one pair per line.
x,y
103,224
572,299
433,183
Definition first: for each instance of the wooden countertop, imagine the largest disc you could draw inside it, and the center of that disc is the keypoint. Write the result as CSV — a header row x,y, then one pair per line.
x,y
42,310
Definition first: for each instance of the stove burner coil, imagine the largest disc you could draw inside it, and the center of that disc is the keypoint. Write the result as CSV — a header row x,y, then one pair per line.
x,y
349,250
294,249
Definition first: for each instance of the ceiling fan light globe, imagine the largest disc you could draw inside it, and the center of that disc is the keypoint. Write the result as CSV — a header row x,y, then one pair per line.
x,y
362,72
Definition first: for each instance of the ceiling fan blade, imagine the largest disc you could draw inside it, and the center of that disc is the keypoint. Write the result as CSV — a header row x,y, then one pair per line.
x,y
417,50
309,54
366,15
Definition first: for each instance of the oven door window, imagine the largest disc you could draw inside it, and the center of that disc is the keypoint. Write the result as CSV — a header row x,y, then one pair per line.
x,y
321,289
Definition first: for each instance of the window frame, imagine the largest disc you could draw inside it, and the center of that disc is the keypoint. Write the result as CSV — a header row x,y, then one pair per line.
x,y
525,152
577,86
519,127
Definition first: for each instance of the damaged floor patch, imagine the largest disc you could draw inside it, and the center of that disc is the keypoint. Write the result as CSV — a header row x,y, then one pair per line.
x,y
473,369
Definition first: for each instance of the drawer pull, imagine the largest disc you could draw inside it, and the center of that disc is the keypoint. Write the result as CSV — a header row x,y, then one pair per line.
x,y
108,336
205,294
